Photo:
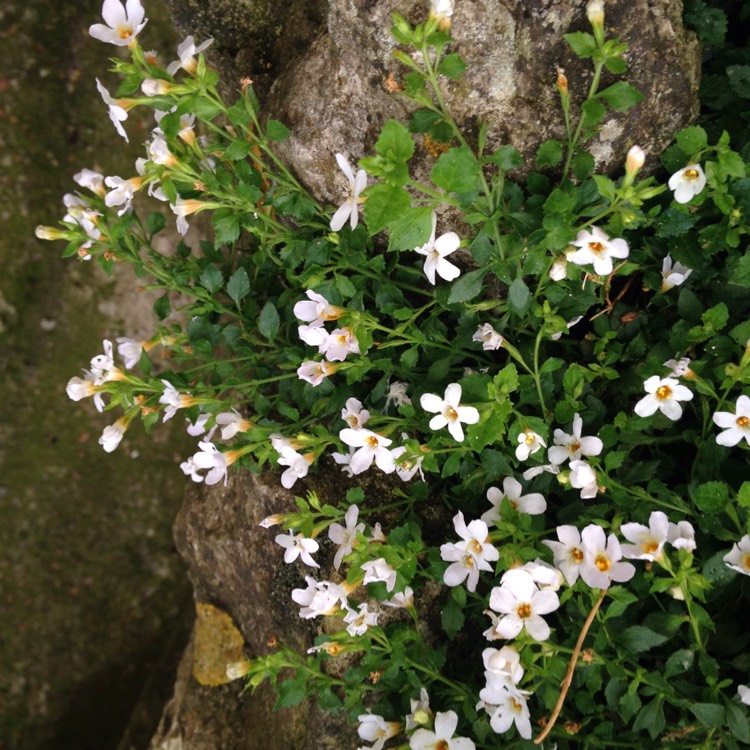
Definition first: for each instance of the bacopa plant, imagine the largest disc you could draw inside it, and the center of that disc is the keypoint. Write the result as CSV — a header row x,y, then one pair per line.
x,y
559,364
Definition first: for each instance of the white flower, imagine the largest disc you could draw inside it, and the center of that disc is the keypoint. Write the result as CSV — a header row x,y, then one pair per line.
x,y
568,552
735,426
409,467
572,322
528,442
680,367
313,335
232,423
113,434
744,692
345,536
504,663
353,413
315,372
123,24
396,394
370,447
508,706
199,426
572,447
449,412
159,153
298,465
296,545
436,250
523,605
379,570
544,575
349,209
687,183
186,52
673,274
78,388
122,193
118,113
376,729
316,310
130,350
559,269
319,599
338,344
647,541
344,460
489,337
583,478
533,503
442,7
472,554
664,394
210,458
442,738
93,181
634,160
402,600
174,400
360,620
595,247
681,535
103,367
738,558
421,713
601,563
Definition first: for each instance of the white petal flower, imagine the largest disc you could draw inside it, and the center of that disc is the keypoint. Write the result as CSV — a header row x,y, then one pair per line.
x,y
298,465
130,350
583,478
504,663
664,394
738,558
572,447
735,426
680,368
568,552
121,23
315,372
602,556
319,599
360,619
297,545
509,707
436,251
442,738
93,181
473,553
529,442
401,600
349,209
421,713
374,728
316,310
379,570
673,274
647,541
409,466
370,447
681,535
186,52
113,434
397,394
449,412
744,692
687,183
210,459
489,337
117,112
596,248
345,536
532,503
338,344
353,413
442,7
232,423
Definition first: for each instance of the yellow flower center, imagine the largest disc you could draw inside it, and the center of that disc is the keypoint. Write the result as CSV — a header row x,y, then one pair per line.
x,y
372,442
603,563
124,32
442,745
691,175
743,422
524,610
529,440
663,392
746,561
649,547
596,247
468,561
475,547
575,446
451,414
576,554
516,706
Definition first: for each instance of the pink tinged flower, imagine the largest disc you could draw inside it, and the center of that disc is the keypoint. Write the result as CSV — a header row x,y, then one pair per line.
x,y
533,503
349,209
687,183
353,413
449,412
489,337
529,442
442,738
596,248
319,599
509,708
297,465
738,558
113,434
360,620
313,335
436,251
315,372
681,535
316,310
680,368
186,52
664,395
572,447
369,447
121,23
159,153
583,477
568,553
130,350
602,556
735,426
345,536
118,109
647,541
504,663
473,553
673,274
523,605
296,545
379,570
338,344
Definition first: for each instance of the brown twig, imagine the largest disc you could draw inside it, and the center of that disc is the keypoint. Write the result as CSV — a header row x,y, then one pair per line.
x,y
565,684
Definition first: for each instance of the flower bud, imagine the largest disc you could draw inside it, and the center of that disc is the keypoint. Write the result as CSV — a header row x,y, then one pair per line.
x,y
634,160
595,13
156,87
421,717
51,233
238,669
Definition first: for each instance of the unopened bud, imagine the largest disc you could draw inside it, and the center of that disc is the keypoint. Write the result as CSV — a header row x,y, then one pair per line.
x,y
562,81
156,87
51,233
421,717
595,13
634,160
238,669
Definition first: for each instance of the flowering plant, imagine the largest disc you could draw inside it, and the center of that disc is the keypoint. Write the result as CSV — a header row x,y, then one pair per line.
x,y
346,339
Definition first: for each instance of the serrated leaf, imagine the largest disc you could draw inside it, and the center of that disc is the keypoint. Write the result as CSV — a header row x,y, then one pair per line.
x,y
155,223
592,113
467,286
452,66
549,154
519,296
639,638
507,157
456,171
423,119
211,279
385,204
651,718
692,139
711,497
395,142
581,43
226,226
277,131
238,286
290,693
582,164
411,229
621,96
162,307
709,714
737,721
238,149
268,321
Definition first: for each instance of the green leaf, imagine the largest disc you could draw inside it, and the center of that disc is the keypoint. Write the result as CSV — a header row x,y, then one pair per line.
x,y
467,287
519,296
737,721
651,718
452,66
290,693
277,131
239,149
549,154
155,223
238,286
385,204
211,279
711,497
423,119
581,43
226,226
162,307
507,157
743,496
739,80
639,638
452,619
395,142
740,273
592,113
678,662
583,165
692,139
411,229
456,171
709,714
621,96
495,464
607,189
268,321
